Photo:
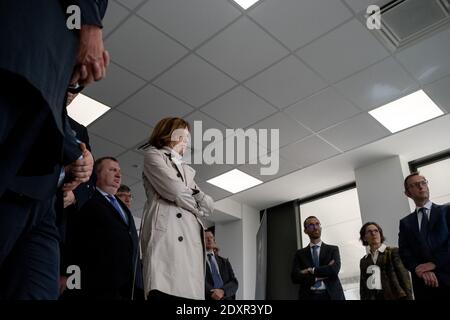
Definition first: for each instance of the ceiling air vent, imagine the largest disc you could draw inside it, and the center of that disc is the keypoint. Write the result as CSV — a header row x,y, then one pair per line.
x,y
405,21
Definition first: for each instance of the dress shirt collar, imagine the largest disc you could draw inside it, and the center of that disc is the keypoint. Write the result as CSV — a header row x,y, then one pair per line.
x,y
317,244
106,194
381,249
427,206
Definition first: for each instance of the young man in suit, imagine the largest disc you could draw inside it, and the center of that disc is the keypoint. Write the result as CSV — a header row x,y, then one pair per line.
x,y
316,266
104,242
220,282
39,55
424,242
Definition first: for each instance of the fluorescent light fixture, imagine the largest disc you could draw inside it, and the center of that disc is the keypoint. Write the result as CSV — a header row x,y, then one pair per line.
x,y
245,4
406,112
234,181
85,110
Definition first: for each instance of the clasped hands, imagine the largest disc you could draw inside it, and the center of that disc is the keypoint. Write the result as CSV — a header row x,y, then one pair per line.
x,y
78,172
426,273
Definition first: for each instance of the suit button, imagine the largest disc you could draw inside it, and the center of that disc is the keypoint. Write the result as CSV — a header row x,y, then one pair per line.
x,y
180,238
179,175
178,215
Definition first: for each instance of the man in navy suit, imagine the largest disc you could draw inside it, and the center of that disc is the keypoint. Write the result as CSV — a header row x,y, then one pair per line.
x,y
424,242
220,282
316,267
39,57
104,243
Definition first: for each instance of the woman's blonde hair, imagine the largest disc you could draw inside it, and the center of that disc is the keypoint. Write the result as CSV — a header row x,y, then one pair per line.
x,y
162,133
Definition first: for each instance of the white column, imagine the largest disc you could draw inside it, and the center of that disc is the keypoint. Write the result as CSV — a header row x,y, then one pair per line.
x,y
229,239
237,241
381,197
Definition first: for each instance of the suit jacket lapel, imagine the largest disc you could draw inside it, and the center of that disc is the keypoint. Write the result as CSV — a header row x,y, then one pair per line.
x,y
323,251
308,255
414,222
111,207
434,215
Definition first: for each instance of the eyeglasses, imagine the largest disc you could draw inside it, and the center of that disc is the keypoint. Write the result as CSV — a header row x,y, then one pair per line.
x,y
373,231
311,226
75,88
419,184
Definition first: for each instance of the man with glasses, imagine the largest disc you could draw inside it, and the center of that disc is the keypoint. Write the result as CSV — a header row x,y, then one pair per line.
x,y
316,266
124,194
424,243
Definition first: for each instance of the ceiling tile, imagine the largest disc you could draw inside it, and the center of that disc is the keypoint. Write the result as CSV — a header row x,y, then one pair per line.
x,y
138,192
127,49
103,148
120,129
127,180
308,151
199,123
151,104
194,81
377,85
439,92
242,102
343,51
114,15
239,149
290,130
191,22
131,163
360,5
296,23
428,60
123,83
130,4
286,82
233,53
355,132
215,192
284,167
322,110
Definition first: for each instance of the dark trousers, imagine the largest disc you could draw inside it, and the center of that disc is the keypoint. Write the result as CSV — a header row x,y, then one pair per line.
x,y
29,251
317,295
158,296
423,292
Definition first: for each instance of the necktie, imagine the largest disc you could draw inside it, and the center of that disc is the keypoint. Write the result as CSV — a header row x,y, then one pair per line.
x,y
424,224
116,205
217,280
315,257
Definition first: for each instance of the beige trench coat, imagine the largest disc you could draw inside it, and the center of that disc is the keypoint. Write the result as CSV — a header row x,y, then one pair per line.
x,y
172,233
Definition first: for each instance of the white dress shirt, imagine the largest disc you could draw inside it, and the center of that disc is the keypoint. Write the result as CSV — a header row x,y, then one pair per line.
x,y
428,212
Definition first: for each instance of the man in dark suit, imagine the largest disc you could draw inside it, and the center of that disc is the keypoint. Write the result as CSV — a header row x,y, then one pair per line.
x,y
220,282
105,242
316,267
38,57
424,242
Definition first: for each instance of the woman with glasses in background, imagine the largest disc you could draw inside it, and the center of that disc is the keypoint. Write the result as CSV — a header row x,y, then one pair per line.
x,y
383,276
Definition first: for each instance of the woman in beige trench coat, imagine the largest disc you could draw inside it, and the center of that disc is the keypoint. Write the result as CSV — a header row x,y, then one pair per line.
x,y
172,233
